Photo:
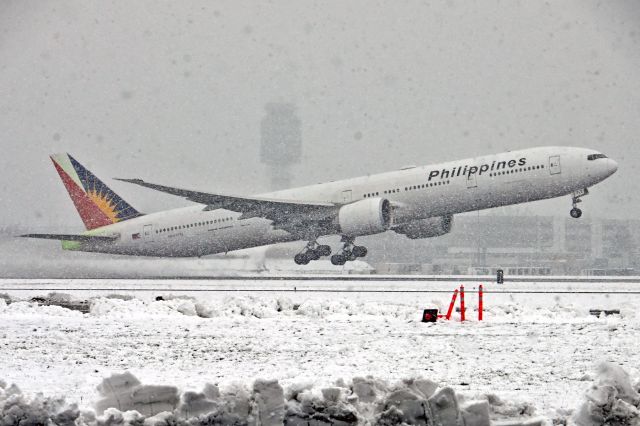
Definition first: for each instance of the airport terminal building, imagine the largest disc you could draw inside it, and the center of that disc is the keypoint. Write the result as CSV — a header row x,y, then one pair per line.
x,y
520,245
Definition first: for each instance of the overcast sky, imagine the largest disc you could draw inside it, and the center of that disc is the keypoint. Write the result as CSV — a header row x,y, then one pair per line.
x,y
174,92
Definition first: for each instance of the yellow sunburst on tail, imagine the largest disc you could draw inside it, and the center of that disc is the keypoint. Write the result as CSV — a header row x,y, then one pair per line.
x,y
105,205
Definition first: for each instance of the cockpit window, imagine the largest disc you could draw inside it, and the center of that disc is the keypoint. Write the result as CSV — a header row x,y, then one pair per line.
x,y
592,157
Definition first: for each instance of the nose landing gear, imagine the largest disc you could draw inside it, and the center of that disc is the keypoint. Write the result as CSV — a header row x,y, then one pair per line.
x,y
575,199
349,252
313,251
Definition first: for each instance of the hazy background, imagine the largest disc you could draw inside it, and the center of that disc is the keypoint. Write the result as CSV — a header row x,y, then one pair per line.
x,y
174,92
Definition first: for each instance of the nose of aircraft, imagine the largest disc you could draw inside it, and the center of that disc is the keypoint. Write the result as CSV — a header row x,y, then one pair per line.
x,y
612,166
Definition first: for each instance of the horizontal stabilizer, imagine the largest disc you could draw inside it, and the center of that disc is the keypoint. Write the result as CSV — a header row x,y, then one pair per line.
x,y
73,237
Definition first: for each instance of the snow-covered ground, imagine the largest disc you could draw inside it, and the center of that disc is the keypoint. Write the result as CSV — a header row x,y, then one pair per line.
x,y
536,348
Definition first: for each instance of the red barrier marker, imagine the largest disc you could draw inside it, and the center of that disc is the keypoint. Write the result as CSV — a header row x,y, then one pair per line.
x,y
453,302
461,303
480,305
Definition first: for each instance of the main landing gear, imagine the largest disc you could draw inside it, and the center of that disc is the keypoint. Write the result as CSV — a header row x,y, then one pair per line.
x,y
313,251
349,252
575,199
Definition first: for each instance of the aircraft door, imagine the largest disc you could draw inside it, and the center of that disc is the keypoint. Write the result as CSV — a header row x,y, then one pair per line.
x,y
346,196
471,181
554,165
147,233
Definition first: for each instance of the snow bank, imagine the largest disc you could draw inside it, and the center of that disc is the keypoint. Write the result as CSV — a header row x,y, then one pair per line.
x,y
268,307
33,308
119,308
19,409
126,393
4,297
361,401
115,306
248,306
610,400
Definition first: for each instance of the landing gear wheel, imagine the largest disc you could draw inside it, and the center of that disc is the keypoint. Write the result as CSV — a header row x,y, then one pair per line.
x,y
313,251
313,255
359,251
349,251
338,259
323,250
301,259
575,199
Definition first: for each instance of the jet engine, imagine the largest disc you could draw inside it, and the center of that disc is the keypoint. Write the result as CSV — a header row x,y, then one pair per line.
x,y
365,217
426,228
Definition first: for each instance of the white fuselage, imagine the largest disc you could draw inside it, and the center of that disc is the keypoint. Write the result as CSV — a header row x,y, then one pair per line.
x,y
416,193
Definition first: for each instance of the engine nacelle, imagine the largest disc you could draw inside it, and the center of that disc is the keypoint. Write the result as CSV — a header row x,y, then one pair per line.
x,y
365,217
427,228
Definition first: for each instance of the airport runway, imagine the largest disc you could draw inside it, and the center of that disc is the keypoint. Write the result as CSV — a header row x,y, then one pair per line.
x,y
353,277
607,293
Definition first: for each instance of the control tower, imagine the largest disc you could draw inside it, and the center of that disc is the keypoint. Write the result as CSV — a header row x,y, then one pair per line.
x,y
281,142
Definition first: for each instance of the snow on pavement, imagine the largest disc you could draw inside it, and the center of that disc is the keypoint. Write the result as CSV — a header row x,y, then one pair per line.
x,y
519,353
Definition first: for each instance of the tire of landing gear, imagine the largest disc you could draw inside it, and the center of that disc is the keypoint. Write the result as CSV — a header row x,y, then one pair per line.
x,y
575,213
323,250
359,251
312,255
338,259
301,259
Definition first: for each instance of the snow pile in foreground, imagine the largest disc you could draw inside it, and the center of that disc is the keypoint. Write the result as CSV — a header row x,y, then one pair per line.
x,y
610,400
19,409
362,401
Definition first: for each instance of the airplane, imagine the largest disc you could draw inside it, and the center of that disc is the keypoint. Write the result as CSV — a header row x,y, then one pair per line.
x,y
418,202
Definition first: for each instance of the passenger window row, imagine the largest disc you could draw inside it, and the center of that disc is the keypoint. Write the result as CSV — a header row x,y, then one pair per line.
x,y
193,225
427,185
407,188
518,170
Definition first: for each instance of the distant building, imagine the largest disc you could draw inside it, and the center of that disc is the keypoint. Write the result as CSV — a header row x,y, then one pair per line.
x,y
520,245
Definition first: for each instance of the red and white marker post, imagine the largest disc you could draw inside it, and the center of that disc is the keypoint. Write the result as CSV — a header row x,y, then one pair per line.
x,y
480,303
462,307
452,304
461,303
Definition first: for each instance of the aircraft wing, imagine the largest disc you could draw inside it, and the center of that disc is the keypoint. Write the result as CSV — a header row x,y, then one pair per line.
x,y
286,214
73,237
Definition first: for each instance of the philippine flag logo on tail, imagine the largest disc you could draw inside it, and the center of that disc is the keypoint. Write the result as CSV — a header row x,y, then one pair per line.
x,y
96,203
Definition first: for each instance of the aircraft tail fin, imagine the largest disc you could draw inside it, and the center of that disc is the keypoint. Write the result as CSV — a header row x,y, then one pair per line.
x,y
96,203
